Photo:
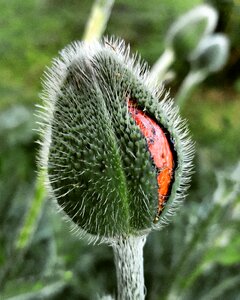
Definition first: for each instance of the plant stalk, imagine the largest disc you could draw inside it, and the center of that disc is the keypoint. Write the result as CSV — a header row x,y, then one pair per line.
x,y
33,214
98,19
189,83
160,68
128,254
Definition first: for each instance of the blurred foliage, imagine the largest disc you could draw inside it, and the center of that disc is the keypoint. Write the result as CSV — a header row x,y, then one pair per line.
x,y
197,256
229,11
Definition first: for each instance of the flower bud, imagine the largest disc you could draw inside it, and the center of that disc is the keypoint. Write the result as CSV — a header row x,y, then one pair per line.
x,y
185,34
117,159
211,54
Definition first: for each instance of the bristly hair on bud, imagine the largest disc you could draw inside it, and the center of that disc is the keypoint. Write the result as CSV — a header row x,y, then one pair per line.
x,y
117,155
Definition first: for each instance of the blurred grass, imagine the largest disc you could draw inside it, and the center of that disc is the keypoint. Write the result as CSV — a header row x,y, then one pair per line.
x,y
31,33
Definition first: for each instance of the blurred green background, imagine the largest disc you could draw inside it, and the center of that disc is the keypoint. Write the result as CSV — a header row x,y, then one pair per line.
x,y
198,255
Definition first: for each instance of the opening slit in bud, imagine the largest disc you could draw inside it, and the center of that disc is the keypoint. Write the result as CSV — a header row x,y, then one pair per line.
x,y
162,152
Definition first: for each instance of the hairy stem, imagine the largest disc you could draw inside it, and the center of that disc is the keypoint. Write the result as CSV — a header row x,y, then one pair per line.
x,y
98,19
128,253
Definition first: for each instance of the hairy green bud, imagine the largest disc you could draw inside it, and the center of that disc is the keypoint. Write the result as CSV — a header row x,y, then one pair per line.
x,y
97,159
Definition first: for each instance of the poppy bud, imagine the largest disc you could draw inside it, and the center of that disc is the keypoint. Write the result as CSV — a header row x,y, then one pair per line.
x,y
185,34
211,54
209,57
118,159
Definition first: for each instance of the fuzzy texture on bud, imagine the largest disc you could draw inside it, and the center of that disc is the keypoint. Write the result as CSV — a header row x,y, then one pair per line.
x,y
98,164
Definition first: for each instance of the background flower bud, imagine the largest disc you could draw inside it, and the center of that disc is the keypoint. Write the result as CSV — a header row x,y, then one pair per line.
x,y
185,34
99,167
211,54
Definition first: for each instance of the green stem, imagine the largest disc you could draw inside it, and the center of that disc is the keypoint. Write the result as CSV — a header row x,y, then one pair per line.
x,y
188,85
160,68
97,22
128,253
33,215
